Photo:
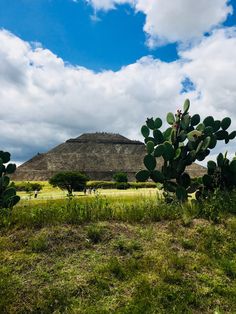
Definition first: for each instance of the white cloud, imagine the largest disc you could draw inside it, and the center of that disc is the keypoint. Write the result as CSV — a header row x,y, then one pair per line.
x,y
107,4
174,21
43,101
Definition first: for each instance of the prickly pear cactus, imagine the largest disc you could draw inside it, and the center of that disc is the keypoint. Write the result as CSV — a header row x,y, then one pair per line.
x,y
185,141
8,197
221,175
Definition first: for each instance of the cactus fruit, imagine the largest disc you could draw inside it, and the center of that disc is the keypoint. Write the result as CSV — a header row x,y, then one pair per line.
x,y
181,144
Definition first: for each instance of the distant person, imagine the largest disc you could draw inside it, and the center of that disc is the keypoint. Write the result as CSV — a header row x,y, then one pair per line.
x,y
85,191
36,193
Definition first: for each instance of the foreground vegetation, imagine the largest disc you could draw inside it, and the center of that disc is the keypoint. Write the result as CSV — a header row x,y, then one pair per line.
x,y
119,255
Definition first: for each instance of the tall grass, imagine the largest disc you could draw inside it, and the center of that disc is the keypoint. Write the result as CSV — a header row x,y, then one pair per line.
x,y
126,209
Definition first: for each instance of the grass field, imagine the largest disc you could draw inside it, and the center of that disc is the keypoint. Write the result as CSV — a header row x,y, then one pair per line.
x,y
123,252
48,192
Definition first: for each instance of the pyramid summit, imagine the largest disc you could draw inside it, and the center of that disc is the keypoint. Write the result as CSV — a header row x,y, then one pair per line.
x,y
102,137
99,155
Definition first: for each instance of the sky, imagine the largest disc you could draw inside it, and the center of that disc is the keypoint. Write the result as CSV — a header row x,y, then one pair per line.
x,y
73,66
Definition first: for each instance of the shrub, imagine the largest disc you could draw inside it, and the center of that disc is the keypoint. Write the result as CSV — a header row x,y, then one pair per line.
x,y
101,184
142,185
120,177
95,233
28,186
122,185
113,185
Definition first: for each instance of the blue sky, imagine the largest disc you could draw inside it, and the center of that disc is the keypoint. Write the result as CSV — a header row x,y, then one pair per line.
x,y
68,67
67,29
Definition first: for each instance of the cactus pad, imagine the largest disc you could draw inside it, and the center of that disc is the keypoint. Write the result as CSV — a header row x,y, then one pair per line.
x,y
142,175
145,131
170,118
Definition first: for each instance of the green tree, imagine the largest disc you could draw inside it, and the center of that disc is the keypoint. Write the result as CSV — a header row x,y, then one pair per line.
x,y
69,180
120,177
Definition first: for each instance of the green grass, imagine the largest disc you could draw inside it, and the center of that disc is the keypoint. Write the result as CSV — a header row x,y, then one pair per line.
x,y
126,254
50,193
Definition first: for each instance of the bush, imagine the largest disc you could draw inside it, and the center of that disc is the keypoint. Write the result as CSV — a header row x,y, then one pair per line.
x,y
113,185
120,177
28,186
122,185
142,185
101,184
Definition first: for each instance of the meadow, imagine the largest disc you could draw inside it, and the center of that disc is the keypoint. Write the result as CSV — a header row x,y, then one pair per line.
x,y
118,252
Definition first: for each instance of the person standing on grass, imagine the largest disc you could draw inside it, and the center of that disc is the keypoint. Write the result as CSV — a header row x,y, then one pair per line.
x,y
35,193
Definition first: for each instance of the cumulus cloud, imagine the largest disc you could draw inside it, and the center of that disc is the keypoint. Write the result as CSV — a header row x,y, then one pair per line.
x,y
44,101
174,21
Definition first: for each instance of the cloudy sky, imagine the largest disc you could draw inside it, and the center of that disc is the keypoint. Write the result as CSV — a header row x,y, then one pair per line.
x,y
74,66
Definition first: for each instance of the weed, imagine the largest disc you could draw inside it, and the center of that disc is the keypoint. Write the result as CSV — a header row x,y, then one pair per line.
x,y
38,243
125,246
95,233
